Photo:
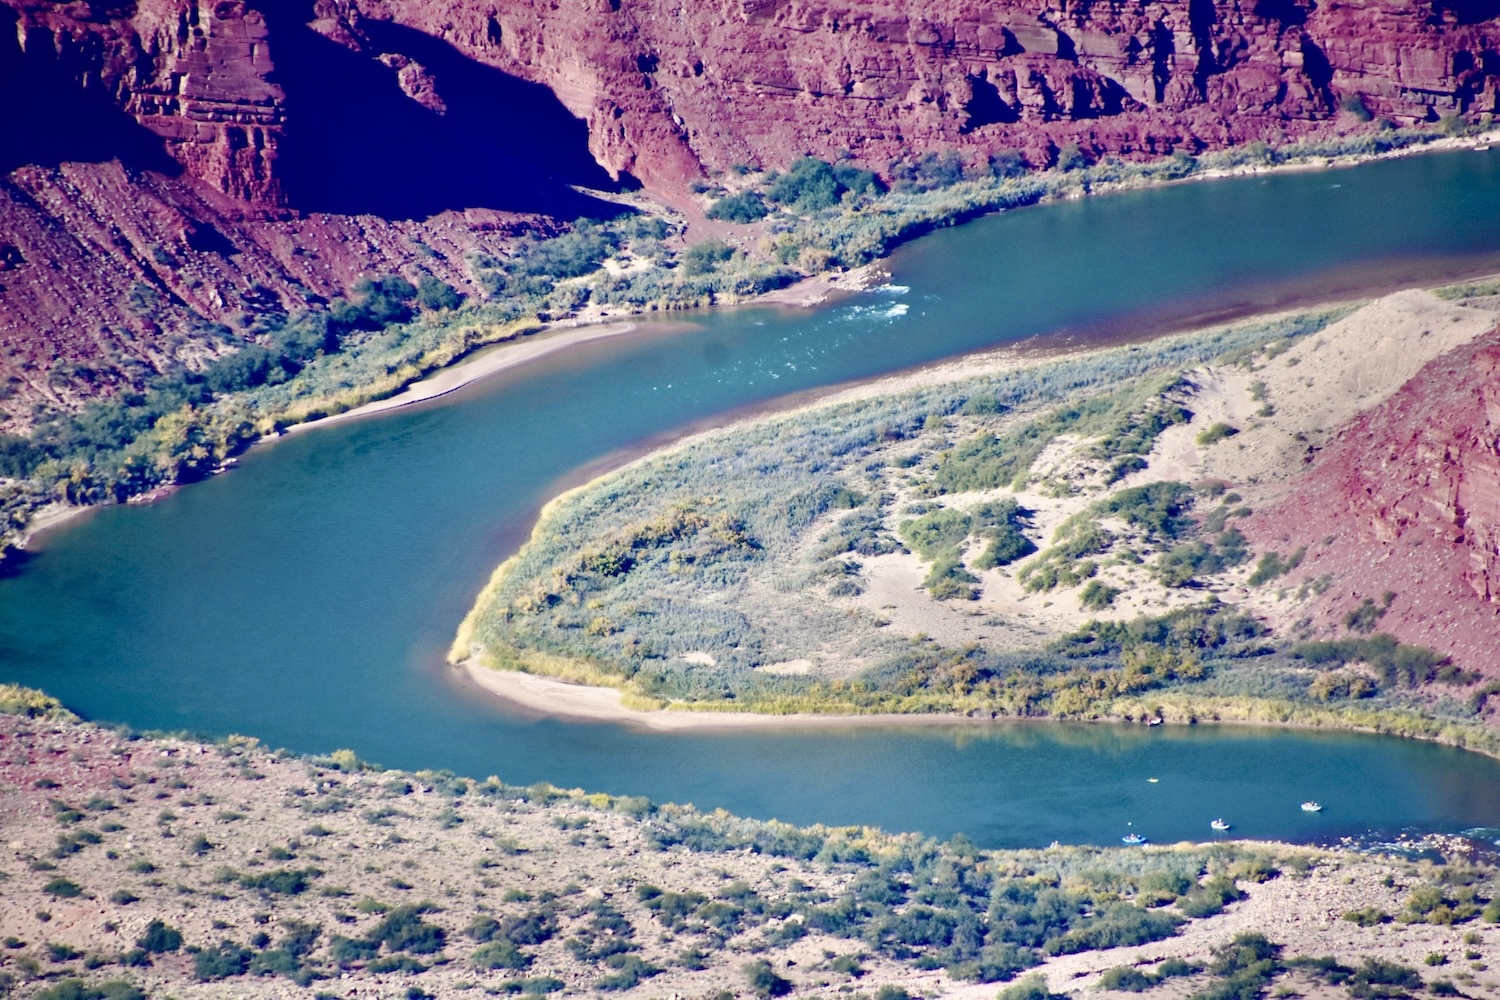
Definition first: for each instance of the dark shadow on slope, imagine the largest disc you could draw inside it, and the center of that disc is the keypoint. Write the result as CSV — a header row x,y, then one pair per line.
x,y
355,143
48,117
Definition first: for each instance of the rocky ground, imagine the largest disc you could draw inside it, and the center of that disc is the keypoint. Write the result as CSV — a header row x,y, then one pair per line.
x,y
227,870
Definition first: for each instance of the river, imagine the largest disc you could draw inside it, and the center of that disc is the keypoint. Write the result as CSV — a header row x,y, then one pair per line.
x,y
308,597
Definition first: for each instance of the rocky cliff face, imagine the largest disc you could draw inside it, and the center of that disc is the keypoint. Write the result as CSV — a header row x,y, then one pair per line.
x,y
1402,509
197,77
666,88
174,161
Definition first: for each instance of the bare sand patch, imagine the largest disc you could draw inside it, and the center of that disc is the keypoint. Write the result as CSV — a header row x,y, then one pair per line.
x,y
548,696
482,364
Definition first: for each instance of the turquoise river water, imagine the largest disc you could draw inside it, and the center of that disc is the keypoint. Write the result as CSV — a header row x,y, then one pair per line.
x,y
308,597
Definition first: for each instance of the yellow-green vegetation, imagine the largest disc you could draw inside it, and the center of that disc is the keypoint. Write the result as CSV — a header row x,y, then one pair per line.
x,y
275,366
153,866
691,578
18,700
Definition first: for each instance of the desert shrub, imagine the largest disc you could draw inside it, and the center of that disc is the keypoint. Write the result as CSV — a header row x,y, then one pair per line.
x,y
1182,564
61,888
395,963
1376,977
1354,104
1071,158
809,185
703,258
1097,595
281,881
1032,987
929,172
1216,433
1393,663
1134,433
434,295
764,980
346,951
500,954
747,206
77,989
1160,509
1369,916
159,938
532,986
1272,565
1117,926
1210,898
629,971
932,533
1127,979
1006,545
222,961
403,929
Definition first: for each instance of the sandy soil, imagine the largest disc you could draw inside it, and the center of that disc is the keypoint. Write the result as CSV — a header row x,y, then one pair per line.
x,y
1322,382
48,518
549,696
482,364
1281,406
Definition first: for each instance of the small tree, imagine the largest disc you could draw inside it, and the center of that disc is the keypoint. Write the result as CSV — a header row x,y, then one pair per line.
x,y
764,980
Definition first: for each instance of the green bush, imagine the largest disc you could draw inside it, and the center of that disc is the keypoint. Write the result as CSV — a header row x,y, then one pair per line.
x,y
1032,987
629,971
1210,898
281,881
403,929
434,295
221,962
1271,566
1097,595
1394,663
1375,973
501,954
61,888
809,185
745,207
1126,979
346,951
1216,433
705,257
534,986
77,989
764,980
159,938
1369,916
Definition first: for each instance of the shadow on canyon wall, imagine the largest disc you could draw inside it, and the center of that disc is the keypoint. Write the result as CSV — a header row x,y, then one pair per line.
x,y
47,118
355,143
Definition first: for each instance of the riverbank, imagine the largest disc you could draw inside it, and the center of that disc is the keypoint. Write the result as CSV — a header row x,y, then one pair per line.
x,y
482,364
385,361
542,696
694,536
166,865
553,698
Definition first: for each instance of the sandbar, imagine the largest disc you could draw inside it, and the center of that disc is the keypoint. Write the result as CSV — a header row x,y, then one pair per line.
x,y
482,364
577,702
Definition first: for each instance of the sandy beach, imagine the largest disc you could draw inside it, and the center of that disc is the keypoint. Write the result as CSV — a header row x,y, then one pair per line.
x,y
559,699
489,361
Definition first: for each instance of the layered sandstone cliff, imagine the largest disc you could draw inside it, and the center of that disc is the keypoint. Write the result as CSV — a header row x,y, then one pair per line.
x,y
667,88
171,162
